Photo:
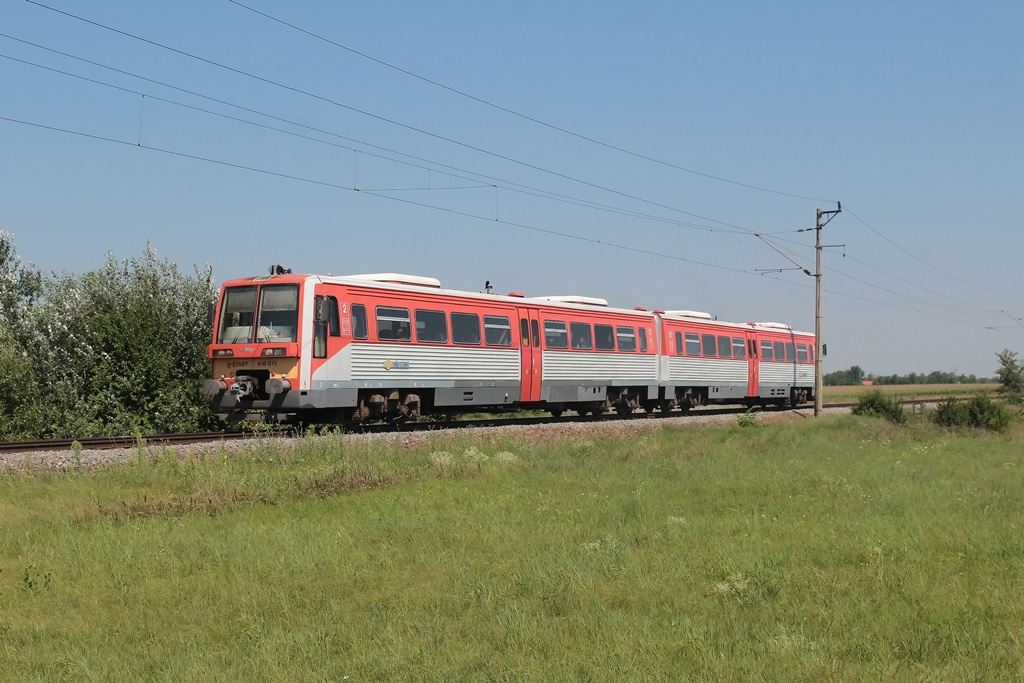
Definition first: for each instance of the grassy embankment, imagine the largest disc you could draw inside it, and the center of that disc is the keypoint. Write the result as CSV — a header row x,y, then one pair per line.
x,y
842,548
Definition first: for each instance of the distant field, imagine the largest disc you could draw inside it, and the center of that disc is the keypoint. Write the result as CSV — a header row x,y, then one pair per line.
x,y
908,390
834,549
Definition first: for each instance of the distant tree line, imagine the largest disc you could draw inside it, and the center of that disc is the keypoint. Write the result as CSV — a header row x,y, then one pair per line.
x,y
855,375
118,350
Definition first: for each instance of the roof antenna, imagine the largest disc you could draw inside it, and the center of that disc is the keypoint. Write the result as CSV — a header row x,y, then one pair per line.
x,y
488,288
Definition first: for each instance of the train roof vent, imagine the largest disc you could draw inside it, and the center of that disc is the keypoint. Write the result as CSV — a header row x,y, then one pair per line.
x,y
774,326
575,299
399,279
700,315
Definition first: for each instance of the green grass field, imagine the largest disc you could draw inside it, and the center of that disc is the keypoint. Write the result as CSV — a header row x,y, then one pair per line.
x,y
923,391
837,549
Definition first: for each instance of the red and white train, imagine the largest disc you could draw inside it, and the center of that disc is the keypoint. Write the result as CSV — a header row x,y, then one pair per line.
x,y
386,346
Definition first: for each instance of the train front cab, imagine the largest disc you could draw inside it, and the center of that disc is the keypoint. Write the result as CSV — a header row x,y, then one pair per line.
x,y
256,349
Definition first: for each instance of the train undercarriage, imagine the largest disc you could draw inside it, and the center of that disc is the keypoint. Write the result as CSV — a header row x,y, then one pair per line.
x,y
256,396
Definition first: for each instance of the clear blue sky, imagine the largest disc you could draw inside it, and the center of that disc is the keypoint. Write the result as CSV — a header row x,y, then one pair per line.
x,y
910,114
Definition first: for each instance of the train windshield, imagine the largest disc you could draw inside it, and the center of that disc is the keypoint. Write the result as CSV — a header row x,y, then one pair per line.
x,y
275,321
279,313
236,315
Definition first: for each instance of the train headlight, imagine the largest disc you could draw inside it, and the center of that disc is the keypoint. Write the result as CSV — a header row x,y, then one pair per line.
x,y
223,353
273,352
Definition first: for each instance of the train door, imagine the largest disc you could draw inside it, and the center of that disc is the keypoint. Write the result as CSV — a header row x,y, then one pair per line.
x,y
529,343
753,357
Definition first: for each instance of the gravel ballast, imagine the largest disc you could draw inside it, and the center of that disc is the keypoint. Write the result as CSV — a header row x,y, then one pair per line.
x,y
542,433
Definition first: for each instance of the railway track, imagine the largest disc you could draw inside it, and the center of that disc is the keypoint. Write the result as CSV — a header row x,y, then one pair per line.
x,y
121,442
110,442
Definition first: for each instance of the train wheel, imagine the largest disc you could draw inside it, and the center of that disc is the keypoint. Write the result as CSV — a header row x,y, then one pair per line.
x,y
556,412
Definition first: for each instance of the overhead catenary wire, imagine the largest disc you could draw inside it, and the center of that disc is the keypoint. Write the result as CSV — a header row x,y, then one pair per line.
x,y
515,224
337,186
525,117
492,180
925,263
452,140
589,203
378,117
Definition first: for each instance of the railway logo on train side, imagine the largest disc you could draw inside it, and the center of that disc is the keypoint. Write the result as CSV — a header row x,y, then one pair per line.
x,y
396,364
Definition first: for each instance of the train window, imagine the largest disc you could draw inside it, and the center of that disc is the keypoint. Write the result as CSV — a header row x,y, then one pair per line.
x,y
643,340
393,324
333,323
791,352
780,351
498,331
801,353
707,343
319,332
535,328
279,314
465,328
692,344
524,331
236,315
766,350
359,321
724,347
679,343
581,338
320,329
626,337
555,336
431,327
604,337
739,348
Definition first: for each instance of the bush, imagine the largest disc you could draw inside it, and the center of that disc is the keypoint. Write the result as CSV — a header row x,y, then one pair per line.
x,y
749,418
117,350
979,411
877,404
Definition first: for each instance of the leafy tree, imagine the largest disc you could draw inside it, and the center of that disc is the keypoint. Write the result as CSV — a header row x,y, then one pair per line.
x,y
853,376
1011,375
